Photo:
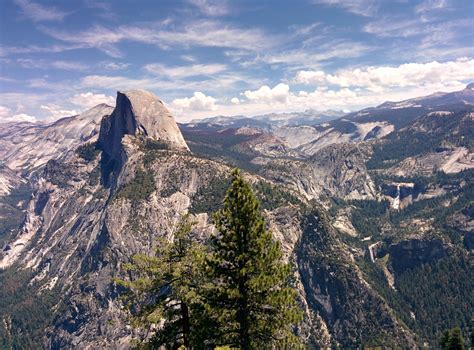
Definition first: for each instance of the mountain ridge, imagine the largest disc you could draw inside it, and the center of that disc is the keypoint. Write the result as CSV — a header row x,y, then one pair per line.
x,y
340,210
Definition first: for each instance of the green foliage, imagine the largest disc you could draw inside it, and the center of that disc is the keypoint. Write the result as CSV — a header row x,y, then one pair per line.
x,y
140,188
163,287
367,215
88,151
248,297
209,198
472,332
272,197
222,147
24,312
439,294
151,144
452,340
416,140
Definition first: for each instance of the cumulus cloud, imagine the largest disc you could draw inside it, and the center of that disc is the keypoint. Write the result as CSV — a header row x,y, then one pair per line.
x,y
4,112
198,102
277,94
23,117
378,78
88,100
235,100
6,116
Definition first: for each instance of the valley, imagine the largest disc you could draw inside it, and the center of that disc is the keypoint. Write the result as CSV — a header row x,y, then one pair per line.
x,y
374,209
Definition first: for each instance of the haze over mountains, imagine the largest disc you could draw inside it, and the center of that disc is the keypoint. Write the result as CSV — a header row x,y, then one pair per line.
x,y
374,208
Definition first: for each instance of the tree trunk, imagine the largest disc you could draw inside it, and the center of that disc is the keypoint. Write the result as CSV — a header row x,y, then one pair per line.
x,y
186,327
243,317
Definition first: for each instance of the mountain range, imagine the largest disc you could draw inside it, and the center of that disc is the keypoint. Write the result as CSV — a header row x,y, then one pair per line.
x,y
374,208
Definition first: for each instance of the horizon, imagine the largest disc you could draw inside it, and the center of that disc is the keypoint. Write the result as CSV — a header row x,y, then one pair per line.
x,y
208,58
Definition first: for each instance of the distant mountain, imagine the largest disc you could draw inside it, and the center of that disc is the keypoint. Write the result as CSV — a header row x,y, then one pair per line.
x,y
265,122
373,208
25,147
310,131
403,112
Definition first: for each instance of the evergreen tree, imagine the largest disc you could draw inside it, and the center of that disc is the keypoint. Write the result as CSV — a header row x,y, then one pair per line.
x,y
163,287
249,299
456,340
445,340
472,332
452,340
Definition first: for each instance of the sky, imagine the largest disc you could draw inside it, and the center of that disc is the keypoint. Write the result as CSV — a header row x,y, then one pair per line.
x,y
205,58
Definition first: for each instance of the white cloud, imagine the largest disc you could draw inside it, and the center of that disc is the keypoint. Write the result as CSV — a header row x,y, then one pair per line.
x,y
359,7
184,71
212,8
235,100
8,50
114,65
321,98
22,117
392,27
398,27
378,78
6,116
88,100
40,13
277,94
211,84
430,5
46,64
204,33
198,102
305,57
55,111
4,112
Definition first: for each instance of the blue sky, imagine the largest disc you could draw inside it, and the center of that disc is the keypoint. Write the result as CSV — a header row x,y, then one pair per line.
x,y
204,58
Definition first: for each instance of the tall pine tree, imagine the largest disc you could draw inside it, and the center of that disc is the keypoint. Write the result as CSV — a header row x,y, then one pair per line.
x,y
249,298
162,289
452,340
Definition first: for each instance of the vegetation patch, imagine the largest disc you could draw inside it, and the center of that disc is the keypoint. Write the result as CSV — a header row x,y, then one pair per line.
x,y
209,199
274,196
25,313
88,151
140,188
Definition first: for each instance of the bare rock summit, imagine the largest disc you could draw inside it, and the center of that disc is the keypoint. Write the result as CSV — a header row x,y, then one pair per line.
x,y
142,114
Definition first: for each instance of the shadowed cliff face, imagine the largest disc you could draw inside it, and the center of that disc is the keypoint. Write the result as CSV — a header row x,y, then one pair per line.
x,y
138,113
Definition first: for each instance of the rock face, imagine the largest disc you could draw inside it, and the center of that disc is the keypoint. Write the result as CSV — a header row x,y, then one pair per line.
x,y
74,231
139,113
410,253
335,287
26,147
8,180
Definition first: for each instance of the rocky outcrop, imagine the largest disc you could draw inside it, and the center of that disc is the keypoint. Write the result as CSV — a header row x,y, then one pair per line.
x,y
343,172
335,288
411,253
141,114
8,180
337,171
